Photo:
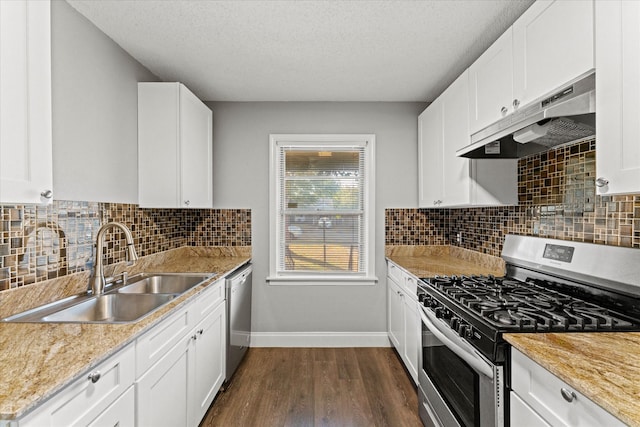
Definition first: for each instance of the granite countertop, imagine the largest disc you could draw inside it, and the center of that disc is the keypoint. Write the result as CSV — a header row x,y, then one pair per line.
x,y
39,359
429,261
604,366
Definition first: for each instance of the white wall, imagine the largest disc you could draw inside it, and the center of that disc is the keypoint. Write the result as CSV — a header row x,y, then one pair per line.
x,y
240,178
94,96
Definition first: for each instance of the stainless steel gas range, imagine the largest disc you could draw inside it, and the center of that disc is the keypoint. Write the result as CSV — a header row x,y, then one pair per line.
x,y
550,286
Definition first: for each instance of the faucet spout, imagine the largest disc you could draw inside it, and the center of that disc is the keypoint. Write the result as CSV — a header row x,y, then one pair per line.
x,y
98,281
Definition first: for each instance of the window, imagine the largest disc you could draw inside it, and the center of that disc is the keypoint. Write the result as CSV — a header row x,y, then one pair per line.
x,y
322,208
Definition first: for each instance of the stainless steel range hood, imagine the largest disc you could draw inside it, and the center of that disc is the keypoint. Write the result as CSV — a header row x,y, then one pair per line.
x,y
567,115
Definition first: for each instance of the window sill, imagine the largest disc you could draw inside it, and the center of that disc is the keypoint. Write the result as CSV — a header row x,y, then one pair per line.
x,y
321,280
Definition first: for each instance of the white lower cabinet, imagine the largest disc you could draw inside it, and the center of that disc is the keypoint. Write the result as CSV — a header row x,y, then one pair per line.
x,y
539,398
168,377
394,313
180,386
208,361
91,398
403,318
412,344
163,391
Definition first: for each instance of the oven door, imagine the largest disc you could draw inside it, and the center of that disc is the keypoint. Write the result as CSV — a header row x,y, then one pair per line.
x,y
458,386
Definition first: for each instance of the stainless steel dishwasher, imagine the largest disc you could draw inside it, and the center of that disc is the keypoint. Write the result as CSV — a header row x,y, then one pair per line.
x,y
238,294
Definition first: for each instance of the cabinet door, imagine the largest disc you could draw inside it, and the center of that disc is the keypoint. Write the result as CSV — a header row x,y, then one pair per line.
x,y
25,104
412,331
209,362
158,151
455,130
618,96
430,156
84,400
195,151
395,314
491,84
552,45
121,413
163,395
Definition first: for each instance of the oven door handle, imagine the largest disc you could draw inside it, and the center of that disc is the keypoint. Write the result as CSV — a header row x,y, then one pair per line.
x,y
468,355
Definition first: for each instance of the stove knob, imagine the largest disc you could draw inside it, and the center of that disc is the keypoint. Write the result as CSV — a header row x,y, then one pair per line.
x,y
462,329
438,311
471,333
454,322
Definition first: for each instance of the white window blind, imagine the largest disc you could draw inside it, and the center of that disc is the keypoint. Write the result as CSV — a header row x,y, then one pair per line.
x,y
322,209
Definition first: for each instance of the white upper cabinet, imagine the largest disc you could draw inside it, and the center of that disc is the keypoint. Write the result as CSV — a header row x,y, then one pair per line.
x,y
449,181
618,96
25,104
174,148
491,84
550,45
430,188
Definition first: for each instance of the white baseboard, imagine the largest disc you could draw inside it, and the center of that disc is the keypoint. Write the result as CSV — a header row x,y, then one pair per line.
x,y
320,339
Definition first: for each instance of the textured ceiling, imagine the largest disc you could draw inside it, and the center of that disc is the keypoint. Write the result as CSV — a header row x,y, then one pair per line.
x,y
323,50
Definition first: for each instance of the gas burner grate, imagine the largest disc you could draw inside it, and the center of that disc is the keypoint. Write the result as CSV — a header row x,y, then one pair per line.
x,y
527,306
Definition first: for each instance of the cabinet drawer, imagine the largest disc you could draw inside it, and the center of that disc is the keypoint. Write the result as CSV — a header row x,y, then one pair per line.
x,y
212,296
394,272
411,285
121,413
522,414
83,401
543,392
156,343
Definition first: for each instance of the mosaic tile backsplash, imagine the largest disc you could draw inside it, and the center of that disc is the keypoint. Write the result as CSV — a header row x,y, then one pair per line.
x,y
557,199
43,242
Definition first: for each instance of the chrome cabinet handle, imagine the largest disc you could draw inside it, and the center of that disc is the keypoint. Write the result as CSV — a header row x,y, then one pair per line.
x,y
567,395
187,202
602,182
504,110
47,194
194,337
516,103
94,377
200,331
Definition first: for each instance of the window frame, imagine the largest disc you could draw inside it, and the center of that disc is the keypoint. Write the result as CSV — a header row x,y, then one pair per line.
x,y
323,142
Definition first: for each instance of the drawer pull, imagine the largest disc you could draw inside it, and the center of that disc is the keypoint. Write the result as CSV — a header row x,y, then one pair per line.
x,y
567,395
94,377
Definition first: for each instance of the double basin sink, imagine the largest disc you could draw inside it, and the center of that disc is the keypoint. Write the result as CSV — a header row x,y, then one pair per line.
x,y
140,296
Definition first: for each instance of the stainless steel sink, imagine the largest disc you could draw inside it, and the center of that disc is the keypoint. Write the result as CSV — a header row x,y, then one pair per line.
x,y
111,308
165,283
107,308
143,294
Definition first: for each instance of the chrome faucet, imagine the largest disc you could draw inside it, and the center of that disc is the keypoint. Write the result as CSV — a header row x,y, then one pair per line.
x,y
98,281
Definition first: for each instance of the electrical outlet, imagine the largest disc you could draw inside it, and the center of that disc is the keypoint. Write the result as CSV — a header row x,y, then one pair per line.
x,y
459,238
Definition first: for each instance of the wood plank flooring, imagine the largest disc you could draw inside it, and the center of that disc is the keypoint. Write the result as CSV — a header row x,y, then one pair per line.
x,y
317,387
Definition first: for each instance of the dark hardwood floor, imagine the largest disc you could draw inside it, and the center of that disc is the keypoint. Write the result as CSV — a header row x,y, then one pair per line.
x,y
317,387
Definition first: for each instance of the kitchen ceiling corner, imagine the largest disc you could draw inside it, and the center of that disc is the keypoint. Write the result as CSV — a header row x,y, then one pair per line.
x,y
305,50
